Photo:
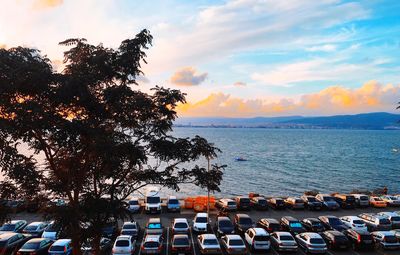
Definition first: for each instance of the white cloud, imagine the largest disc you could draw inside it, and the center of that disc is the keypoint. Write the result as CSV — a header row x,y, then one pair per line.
x,y
188,76
325,48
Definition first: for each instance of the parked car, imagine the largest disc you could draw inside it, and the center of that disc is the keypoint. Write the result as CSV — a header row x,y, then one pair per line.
x,y
332,223
242,222
311,242
396,232
328,202
130,228
377,202
173,204
35,229
347,201
53,231
354,222
291,224
313,225
180,225
242,203
227,204
393,217
200,222
269,224
154,227
294,203
276,203
134,205
61,247
359,239
391,200
224,226
13,226
283,241
335,239
180,244
35,246
311,203
105,246
376,222
208,244
257,239
11,242
385,240
124,245
152,244
233,244
259,203
361,200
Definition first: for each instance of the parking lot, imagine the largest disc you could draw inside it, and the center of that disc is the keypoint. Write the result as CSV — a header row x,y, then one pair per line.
x,y
166,219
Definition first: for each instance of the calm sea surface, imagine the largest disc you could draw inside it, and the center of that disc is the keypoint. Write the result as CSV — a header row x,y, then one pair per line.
x,y
288,162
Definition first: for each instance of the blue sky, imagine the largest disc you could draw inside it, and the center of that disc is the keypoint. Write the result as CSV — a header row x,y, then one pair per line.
x,y
241,57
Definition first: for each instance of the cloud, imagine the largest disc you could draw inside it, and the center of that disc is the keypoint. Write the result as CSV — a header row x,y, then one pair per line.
x,y
325,48
240,84
188,76
142,79
43,4
370,97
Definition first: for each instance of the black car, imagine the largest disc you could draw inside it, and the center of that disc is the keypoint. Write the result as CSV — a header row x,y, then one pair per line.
x,y
224,226
292,225
242,222
269,224
259,203
105,246
335,239
313,225
311,203
360,239
11,242
36,246
276,203
332,223
242,203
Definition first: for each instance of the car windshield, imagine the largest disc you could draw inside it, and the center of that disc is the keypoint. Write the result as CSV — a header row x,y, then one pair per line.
x,y
286,238
181,225
298,201
57,248
153,225
295,224
262,202
31,228
316,224
334,221
327,199
201,220
363,198
173,201
210,242
122,243
236,242
31,245
311,199
279,202
395,218
391,239
8,227
261,238
384,221
153,200
225,224
350,198
133,202
244,200
245,221
358,222
129,226
377,199
341,238
231,203
366,237
128,232
316,241
182,241
151,244
53,228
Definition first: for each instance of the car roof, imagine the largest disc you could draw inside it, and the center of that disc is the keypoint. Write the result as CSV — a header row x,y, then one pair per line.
x,y
152,238
134,199
16,221
290,218
172,197
154,220
226,199
209,236
201,215
124,237
312,235
35,223
37,240
62,242
389,213
334,232
283,233
242,215
313,219
385,233
180,220
181,236
353,217
271,220
234,237
360,231
260,231
223,218
6,236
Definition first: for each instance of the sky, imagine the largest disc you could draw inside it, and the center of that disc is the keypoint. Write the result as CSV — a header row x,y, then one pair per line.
x,y
239,58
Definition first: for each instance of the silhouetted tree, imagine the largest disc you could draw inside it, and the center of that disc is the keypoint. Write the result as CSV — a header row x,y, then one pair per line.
x,y
100,139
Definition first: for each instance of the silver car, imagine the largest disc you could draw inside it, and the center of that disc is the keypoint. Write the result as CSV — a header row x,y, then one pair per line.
x,y
283,241
233,244
311,243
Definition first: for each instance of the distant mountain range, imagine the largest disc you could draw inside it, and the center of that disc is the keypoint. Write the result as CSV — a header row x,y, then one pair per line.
x,y
376,120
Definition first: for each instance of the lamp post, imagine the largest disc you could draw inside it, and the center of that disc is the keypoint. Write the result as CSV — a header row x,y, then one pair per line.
x,y
208,187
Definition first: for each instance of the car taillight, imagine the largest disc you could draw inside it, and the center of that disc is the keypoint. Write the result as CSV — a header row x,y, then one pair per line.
x,y
32,253
174,248
159,248
359,238
18,253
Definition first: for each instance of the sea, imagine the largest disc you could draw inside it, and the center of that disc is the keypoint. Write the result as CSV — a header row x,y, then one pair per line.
x,y
282,162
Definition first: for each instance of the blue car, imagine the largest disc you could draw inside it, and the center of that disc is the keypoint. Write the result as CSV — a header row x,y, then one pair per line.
x,y
61,247
173,204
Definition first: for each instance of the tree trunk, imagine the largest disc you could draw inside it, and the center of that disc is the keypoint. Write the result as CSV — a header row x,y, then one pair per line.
x,y
96,244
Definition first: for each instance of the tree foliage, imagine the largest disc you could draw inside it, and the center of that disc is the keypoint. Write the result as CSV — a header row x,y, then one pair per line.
x,y
98,137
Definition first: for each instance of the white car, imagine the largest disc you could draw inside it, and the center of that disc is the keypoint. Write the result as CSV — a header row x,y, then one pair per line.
x,y
257,239
180,225
227,204
152,244
283,241
311,243
233,244
35,228
386,240
200,222
393,217
130,228
124,245
361,200
354,222
208,244
391,200
134,205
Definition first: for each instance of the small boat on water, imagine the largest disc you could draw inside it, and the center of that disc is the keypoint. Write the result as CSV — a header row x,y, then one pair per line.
x,y
240,159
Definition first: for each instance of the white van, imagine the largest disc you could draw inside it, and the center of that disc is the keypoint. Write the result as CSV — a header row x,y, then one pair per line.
x,y
153,200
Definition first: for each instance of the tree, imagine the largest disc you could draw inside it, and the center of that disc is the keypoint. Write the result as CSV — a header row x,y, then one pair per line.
x,y
91,137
